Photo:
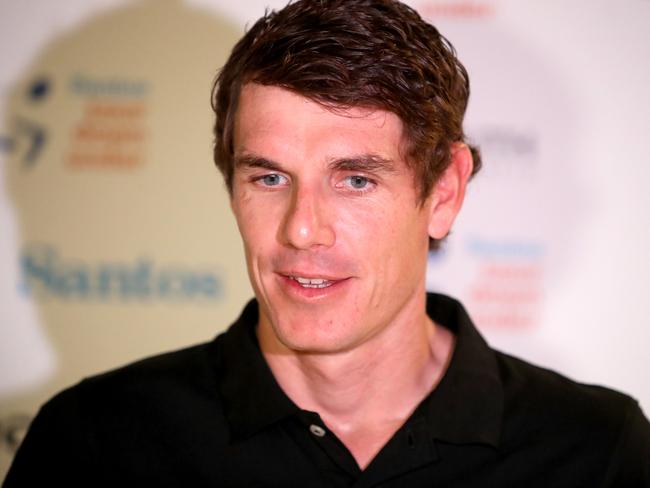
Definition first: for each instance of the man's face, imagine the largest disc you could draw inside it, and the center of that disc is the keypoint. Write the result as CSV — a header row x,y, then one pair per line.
x,y
335,238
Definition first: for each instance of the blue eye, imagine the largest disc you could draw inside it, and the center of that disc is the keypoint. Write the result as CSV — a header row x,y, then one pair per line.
x,y
358,182
272,179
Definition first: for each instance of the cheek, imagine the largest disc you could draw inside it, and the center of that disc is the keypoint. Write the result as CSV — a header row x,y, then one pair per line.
x,y
251,243
370,233
359,224
391,239
257,223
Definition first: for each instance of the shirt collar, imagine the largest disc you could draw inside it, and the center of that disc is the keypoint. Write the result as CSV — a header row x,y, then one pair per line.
x,y
467,404
465,407
252,398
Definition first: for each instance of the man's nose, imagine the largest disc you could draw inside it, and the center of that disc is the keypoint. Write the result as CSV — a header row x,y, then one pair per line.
x,y
307,223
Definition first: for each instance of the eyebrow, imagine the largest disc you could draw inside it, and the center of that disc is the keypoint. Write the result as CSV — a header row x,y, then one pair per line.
x,y
365,163
254,161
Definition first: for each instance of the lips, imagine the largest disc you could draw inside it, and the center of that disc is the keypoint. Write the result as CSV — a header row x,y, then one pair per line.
x,y
310,284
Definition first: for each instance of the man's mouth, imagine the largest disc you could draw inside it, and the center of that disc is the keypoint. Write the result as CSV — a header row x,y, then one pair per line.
x,y
312,282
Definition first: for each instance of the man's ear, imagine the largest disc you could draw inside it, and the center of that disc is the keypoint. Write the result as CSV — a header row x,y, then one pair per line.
x,y
449,191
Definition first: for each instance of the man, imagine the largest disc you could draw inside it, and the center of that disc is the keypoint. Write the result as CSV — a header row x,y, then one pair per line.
x,y
339,134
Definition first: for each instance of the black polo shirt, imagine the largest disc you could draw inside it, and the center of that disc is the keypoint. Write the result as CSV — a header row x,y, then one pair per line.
x,y
213,415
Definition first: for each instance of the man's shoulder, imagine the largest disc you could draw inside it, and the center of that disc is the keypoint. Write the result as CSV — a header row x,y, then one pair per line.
x,y
535,403
163,413
546,409
552,395
191,369
154,389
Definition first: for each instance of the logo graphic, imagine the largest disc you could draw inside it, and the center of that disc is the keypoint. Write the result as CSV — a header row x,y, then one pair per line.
x,y
46,275
27,134
457,8
510,151
507,287
112,131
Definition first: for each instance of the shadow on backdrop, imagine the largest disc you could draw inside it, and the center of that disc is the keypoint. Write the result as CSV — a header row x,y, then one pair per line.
x,y
126,242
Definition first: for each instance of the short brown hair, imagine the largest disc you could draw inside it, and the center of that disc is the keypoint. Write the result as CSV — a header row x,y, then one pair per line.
x,y
354,53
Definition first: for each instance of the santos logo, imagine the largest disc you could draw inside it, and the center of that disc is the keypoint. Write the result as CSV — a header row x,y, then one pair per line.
x,y
46,274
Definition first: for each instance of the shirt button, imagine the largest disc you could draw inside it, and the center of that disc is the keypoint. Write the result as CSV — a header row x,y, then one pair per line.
x,y
317,430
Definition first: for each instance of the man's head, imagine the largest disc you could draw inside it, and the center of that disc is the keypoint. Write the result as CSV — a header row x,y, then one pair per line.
x,y
339,133
354,53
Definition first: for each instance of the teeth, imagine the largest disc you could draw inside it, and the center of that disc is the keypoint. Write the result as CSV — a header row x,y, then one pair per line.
x,y
308,281
312,282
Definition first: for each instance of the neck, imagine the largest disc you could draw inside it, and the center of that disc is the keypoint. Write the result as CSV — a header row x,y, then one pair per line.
x,y
365,394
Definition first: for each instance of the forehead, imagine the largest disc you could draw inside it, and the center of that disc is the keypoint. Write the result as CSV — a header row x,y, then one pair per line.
x,y
274,120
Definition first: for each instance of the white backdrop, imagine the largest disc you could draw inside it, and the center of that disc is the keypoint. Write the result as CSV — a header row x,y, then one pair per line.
x,y
549,253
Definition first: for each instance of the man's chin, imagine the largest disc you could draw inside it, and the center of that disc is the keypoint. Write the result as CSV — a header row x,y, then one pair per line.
x,y
307,337
311,324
